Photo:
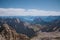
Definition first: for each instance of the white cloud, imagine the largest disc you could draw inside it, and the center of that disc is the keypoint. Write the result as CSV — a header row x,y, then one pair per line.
x,y
24,12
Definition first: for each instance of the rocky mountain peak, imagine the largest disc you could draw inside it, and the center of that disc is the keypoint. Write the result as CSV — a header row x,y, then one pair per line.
x,y
7,33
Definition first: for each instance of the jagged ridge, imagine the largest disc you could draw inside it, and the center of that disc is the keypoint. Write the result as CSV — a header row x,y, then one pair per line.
x,y
7,33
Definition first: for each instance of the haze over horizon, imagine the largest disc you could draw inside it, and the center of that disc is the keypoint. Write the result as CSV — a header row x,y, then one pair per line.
x,y
29,7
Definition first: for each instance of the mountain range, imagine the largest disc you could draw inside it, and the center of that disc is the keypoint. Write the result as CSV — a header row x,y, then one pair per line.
x,y
31,25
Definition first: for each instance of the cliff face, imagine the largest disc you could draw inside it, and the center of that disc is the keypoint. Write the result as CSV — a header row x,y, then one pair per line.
x,y
7,33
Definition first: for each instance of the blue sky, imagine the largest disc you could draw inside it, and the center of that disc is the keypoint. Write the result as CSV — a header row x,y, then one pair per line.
x,y
30,7
53,5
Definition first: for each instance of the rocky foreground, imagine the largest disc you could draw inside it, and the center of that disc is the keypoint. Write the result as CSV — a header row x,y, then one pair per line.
x,y
7,33
47,36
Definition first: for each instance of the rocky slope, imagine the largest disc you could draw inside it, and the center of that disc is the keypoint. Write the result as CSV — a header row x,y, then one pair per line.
x,y
47,36
7,33
40,30
18,25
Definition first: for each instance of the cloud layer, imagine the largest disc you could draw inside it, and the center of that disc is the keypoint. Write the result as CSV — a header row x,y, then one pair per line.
x,y
24,12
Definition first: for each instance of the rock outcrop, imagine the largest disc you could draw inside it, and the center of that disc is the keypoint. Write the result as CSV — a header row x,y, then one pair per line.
x,y
7,33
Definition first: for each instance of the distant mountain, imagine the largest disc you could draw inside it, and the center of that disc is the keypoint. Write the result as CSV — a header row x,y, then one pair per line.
x,y
53,26
38,20
50,18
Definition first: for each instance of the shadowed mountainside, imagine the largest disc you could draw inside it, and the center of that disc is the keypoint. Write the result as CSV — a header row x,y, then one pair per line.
x,y
18,25
7,33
